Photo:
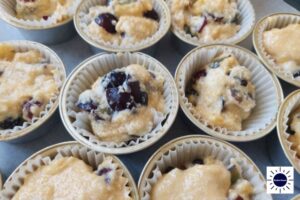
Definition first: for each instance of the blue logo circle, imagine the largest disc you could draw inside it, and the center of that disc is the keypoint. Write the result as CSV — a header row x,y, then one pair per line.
x,y
280,180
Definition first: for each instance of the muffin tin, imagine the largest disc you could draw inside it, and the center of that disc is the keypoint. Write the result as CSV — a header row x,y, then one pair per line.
x,y
170,133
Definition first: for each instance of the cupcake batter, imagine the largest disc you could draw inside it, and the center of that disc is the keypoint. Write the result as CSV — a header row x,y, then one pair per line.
x,y
210,180
122,21
70,178
205,19
284,46
222,93
42,9
27,84
294,138
125,103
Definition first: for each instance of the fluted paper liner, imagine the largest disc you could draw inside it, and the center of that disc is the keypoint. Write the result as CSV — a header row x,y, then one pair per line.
x,y
291,103
48,155
8,9
81,23
86,74
268,92
246,22
296,197
274,21
50,57
184,150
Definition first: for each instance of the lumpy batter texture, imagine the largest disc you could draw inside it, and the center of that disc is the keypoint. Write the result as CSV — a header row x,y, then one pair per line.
x,y
27,85
222,93
124,104
42,9
205,19
123,21
71,179
295,131
202,181
284,46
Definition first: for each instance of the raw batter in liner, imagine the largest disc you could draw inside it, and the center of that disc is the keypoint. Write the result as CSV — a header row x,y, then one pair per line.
x,y
294,138
43,9
122,21
203,180
27,84
206,19
124,104
284,46
222,93
70,178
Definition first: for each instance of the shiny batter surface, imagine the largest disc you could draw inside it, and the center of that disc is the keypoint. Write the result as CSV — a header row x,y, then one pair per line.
x,y
124,104
71,179
27,83
208,20
222,93
284,46
210,180
42,9
122,21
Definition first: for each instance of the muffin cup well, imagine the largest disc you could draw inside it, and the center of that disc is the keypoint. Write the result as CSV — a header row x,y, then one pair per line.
x,y
49,154
288,106
44,31
185,149
296,197
247,22
269,94
18,132
82,78
277,20
81,25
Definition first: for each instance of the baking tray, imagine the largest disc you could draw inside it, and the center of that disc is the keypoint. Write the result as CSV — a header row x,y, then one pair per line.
x,y
75,50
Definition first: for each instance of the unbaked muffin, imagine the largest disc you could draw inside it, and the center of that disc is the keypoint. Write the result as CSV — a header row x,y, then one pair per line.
x,y
203,179
124,104
205,19
71,178
43,9
27,82
283,45
122,21
294,131
222,92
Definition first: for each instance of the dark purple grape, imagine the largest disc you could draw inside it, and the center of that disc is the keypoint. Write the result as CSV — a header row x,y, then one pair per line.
x,y
10,123
1,72
199,74
138,95
151,14
119,100
239,198
107,21
103,171
198,162
203,25
290,131
116,79
236,95
215,18
244,82
296,74
27,107
89,106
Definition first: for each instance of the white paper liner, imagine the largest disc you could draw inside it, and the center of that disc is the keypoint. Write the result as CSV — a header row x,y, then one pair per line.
x,y
296,197
246,19
268,95
100,65
274,21
90,157
184,150
292,104
50,57
8,8
82,22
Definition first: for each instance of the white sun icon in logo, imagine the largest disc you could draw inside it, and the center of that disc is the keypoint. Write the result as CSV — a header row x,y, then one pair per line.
x,y
280,180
